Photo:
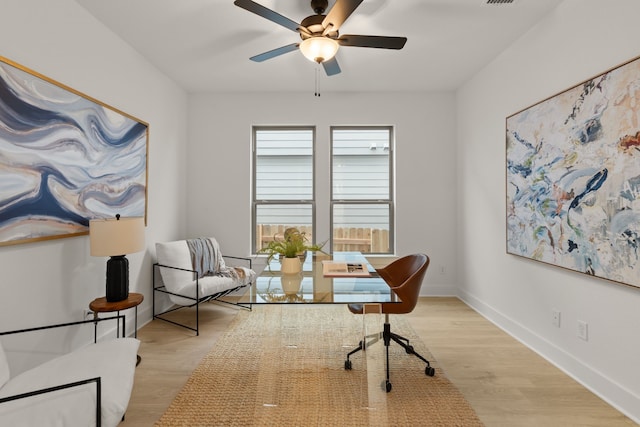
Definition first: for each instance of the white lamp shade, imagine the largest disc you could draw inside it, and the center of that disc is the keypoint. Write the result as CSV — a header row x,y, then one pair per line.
x,y
112,237
319,48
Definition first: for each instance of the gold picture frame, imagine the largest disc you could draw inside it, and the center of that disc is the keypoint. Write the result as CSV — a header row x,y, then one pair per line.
x,y
65,158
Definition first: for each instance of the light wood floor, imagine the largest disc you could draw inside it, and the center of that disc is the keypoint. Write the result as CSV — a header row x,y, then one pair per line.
x,y
506,383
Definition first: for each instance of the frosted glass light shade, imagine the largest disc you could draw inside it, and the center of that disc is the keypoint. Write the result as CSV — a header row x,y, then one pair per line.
x,y
319,49
110,237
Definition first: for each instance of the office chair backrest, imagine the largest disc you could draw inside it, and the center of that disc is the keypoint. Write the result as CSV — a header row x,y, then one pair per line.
x,y
405,276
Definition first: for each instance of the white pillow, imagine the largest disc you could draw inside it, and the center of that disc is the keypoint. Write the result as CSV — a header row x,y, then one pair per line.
x,y
4,367
114,361
175,254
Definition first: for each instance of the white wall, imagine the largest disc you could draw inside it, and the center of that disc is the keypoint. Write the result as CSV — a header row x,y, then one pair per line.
x,y
579,40
220,169
54,281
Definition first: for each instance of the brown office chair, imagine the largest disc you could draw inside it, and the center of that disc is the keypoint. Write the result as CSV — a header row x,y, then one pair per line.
x,y
404,276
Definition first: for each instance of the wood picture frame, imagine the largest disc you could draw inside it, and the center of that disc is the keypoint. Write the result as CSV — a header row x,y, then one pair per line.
x,y
573,177
65,158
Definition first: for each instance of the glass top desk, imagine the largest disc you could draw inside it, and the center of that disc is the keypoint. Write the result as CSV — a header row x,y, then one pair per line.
x,y
310,286
288,327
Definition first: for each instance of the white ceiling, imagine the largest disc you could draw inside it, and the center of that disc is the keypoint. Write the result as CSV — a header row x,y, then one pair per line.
x,y
205,45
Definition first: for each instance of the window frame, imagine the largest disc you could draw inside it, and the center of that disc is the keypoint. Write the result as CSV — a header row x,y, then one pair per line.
x,y
255,202
389,202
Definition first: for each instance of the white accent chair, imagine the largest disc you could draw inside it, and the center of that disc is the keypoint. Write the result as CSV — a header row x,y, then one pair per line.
x,y
174,275
90,386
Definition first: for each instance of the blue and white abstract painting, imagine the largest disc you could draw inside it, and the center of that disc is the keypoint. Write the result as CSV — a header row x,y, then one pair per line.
x,y
64,159
573,178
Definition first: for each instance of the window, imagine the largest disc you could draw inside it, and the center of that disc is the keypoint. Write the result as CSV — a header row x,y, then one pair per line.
x,y
283,190
362,191
359,190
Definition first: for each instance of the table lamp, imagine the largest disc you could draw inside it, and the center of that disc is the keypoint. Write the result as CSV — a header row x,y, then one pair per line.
x,y
116,237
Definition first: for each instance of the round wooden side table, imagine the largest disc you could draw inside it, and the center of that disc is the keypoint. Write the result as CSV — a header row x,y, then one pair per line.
x,y
101,305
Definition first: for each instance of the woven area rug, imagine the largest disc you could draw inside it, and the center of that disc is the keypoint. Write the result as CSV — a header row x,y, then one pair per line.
x,y
284,366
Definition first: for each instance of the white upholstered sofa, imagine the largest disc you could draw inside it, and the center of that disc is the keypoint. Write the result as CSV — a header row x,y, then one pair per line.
x,y
90,386
194,271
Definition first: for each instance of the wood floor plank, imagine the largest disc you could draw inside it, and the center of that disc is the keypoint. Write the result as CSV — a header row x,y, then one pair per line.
x,y
505,382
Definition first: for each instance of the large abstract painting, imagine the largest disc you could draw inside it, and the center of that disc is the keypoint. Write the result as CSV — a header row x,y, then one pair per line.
x,y
65,158
573,178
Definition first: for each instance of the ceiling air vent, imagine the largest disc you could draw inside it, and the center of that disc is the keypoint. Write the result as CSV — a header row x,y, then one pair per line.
x,y
500,1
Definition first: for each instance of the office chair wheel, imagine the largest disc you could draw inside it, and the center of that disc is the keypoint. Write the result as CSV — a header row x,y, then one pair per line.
x,y
387,386
347,365
429,371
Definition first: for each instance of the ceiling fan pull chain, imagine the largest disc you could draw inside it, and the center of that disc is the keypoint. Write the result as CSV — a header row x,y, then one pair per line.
x,y
317,93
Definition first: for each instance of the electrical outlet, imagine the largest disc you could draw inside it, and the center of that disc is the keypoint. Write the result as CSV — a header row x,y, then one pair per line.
x,y
555,319
442,269
583,330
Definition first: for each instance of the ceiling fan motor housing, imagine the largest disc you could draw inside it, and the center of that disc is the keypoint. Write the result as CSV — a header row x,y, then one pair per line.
x,y
313,23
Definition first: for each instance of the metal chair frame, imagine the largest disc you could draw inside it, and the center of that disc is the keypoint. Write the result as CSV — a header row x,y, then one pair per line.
x,y
161,288
96,380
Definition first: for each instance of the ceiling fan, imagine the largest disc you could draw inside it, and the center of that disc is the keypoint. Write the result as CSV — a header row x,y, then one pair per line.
x,y
319,33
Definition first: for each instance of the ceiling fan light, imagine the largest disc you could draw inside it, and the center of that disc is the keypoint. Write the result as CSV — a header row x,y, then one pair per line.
x,y
319,49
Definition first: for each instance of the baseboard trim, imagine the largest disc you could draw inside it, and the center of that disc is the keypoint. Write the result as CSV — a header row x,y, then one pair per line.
x,y
431,290
614,394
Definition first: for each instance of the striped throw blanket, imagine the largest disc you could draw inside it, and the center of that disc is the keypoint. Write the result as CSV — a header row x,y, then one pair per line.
x,y
207,260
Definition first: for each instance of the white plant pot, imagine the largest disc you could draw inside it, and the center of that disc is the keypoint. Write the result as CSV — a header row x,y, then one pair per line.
x,y
290,265
291,283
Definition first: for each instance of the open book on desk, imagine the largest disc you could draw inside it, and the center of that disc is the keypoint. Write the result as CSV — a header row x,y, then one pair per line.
x,y
344,269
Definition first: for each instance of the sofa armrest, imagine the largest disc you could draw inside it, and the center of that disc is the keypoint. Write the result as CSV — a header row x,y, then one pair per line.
x,y
157,264
174,278
113,361
52,384
63,325
46,390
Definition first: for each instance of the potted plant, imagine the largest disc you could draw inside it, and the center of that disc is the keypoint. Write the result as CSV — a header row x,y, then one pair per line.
x,y
291,249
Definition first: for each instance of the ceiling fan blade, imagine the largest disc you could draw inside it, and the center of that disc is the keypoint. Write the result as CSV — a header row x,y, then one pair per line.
x,y
331,67
381,42
275,52
339,13
267,13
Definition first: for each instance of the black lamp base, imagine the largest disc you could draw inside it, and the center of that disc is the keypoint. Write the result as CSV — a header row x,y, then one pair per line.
x,y
117,278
